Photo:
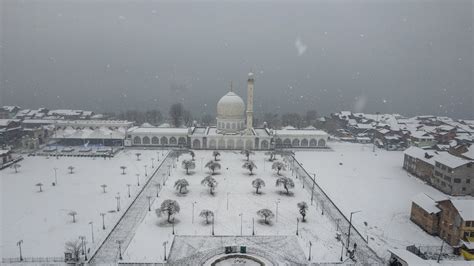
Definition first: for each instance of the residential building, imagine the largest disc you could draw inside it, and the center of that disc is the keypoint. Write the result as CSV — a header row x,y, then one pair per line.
x,y
456,220
453,175
425,213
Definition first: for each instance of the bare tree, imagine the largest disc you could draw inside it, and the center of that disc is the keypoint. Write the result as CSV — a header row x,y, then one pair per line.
x,y
40,185
215,154
213,166
266,214
123,169
169,207
249,165
258,184
302,208
247,153
15,166
138,156
188,165
286,182
210,182
181,184
73,247
103,186
278,166
206,214
176,114
73,214
71,169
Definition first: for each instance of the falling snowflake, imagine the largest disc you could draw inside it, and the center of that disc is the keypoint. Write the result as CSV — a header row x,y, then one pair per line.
x,y
300,46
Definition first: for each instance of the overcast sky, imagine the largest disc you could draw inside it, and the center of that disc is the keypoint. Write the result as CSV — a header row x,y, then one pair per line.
x,y
409,57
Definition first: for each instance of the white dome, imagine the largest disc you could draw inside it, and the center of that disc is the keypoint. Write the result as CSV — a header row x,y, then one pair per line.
x,y
230,106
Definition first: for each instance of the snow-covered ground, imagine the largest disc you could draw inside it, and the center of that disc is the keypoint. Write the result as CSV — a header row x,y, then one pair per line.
x,y
41,219
376,184
147,245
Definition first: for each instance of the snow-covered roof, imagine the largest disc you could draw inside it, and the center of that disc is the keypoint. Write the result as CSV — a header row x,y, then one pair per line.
x,y
419,153
469,153
300,132
451,160
465,207
159,130
408,257
421,135
426,203
3,152
6,122
87,133
365,126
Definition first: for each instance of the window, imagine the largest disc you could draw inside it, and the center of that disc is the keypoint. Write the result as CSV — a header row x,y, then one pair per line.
x,y
437,173
468,181
443,167
468,223
438,164
443,183
447,178
457,180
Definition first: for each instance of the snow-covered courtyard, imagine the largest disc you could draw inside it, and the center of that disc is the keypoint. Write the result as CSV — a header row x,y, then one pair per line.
x,y
234,184
375,183
42,219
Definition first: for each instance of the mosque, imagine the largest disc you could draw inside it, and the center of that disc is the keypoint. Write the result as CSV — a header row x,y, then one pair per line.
x,y
234,130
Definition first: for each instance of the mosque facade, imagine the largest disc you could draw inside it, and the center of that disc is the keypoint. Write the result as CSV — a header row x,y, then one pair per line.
x,y
234,130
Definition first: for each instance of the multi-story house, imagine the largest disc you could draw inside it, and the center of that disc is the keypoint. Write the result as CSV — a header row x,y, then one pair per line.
x,y
456,220
453,175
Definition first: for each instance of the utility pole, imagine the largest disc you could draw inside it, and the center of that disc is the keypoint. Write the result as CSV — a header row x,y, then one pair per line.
x,y
164,245
349,234
19,246
149,202
119,242
253,226
152,162
213,224
128,185
118,201
297,225
146,174
310,245
138,179
103,220
92,231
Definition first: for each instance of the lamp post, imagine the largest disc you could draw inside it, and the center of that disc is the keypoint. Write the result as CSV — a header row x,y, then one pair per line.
x,y
169,170
193,213
82,238
342,250
128,186
19,246
146,174
297,225
103,220
92,231
253,226
310,246
173,225
149,202
349,233
55,175
241,216
213,224
138,179
157,156
118,201
152,162
164,247
312,190
119,242
276,212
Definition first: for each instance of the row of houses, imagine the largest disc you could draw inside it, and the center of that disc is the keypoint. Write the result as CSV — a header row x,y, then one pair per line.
x,y
15,112
450,172
395,132
450,219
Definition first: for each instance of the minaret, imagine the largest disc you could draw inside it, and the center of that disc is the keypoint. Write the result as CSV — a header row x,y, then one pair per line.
x,y
250,84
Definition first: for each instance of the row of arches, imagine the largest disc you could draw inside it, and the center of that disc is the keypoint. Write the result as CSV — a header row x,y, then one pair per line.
x,y
230,144
137,140
287,142
230,125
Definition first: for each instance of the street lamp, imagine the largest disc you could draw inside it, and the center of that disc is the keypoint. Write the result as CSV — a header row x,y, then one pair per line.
x,y
149,202
276,212
82,238
169,170
213,223
241,216
103,220
128,185
152,162
164,245
193,213
310,245
19,246
55,175
253,226
146,174
173,225
138,179
92,231
297,225
118,201
349,234
312,190
119,242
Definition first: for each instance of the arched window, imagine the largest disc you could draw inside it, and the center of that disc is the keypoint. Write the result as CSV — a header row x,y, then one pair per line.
x,y
313,143
264,145
137,140
248,144
304,143
295,143
146,140
182,141
230,144
212,144
221,144
278,142
287,143
164,141
196,144
321,143
227,125
233,125
172,141
155,140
